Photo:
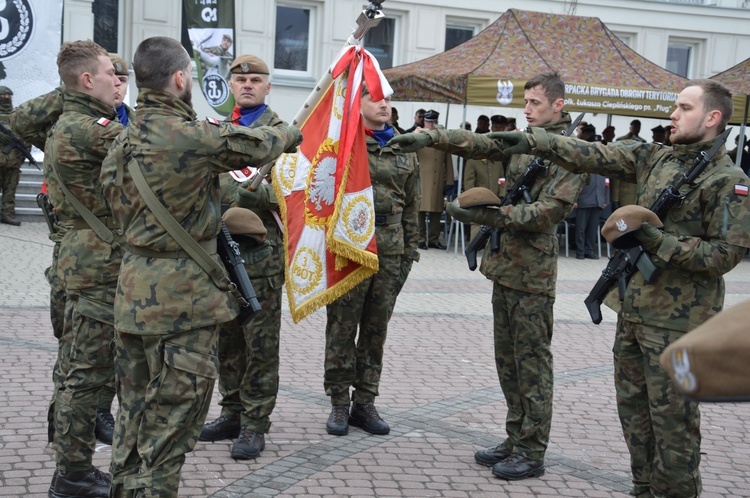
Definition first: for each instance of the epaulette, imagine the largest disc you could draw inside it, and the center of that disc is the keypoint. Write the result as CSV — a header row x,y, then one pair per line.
x,y
103,121
213,121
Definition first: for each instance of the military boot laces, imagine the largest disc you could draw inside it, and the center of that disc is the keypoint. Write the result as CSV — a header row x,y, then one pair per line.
x,y
367,417
92,483
222,428
338,420
104,429
249,445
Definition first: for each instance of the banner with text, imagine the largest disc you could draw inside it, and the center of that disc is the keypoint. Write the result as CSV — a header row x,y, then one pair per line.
x,y
579,97
210,25
29,42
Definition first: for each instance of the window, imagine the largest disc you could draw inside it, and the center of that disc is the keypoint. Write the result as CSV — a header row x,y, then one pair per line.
x,y
292,44
379,41
456,35
681,57
105,23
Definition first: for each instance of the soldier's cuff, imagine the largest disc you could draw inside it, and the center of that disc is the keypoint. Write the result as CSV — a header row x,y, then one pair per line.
x,y
669,246
538,139
438,136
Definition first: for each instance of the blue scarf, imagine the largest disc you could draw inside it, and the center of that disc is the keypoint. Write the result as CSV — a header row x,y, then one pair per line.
x,y
382,136
122,114
248,115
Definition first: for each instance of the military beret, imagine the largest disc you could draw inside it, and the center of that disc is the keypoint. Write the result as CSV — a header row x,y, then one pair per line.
x,y
499,119
121,67
241,221
588,128
4,90
711,363
249,64
621,226
477,197
431,115
658,129
609,129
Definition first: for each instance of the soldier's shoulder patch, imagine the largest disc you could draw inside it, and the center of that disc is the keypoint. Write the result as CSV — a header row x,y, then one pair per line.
x,y
741,189
213,121
103,121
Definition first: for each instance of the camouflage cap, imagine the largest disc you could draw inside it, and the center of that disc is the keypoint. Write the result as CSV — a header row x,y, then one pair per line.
x,y
121,67
477,197
4,90
711,362
241,221
249,64
621,226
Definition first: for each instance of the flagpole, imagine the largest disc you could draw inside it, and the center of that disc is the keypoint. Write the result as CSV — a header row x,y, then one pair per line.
x,y
368,19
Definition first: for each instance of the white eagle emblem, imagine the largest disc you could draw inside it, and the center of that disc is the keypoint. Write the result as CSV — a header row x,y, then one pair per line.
x,y
621,225
323,183
505,92
682,374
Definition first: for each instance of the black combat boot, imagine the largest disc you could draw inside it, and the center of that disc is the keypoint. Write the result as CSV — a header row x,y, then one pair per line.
x,y
367,417
491,456
220,429
9,220
92,483
249,445
517,467
338,420
104,429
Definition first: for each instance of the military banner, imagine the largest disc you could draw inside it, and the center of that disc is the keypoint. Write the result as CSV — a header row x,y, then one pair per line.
x,y
324,191
579,97
210,25
29,42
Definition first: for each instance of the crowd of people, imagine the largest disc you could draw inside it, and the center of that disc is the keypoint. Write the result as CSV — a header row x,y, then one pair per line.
x,y
138,196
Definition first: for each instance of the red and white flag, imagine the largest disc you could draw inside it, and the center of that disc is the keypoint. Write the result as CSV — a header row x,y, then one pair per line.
x,y
324,191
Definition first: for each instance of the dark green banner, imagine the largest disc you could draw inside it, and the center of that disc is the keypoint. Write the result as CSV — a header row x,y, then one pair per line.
x,y
210,25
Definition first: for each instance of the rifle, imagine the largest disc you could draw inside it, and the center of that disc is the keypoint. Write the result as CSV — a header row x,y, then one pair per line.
x,y
519,191
50,215
15,143
625,262
229,252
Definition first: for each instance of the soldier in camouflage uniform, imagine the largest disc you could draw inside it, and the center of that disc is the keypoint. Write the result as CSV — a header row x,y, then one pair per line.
x,y
88,263
369,305
524,272
249,356
703,238
10,165
167,308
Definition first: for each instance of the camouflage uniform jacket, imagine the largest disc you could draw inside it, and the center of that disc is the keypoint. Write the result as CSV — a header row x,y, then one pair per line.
x,y
13,158
707,234
76,147
181,159
527,258
396,190
33,119
268,258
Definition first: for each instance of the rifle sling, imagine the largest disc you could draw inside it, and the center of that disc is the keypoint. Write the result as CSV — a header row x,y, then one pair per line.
x,y
93,221
188,244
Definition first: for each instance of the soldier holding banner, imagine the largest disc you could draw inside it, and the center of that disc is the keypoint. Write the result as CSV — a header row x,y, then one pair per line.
x,y
357,364
249,356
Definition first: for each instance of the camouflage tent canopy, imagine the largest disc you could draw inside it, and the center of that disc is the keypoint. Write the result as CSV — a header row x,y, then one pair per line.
x,y
602,73
737,78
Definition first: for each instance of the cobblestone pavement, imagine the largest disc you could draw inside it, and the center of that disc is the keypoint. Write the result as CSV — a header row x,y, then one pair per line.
x,y
439,393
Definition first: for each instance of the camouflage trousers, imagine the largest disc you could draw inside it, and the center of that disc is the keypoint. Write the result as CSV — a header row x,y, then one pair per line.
x,y
429,234
164,384
369,307
661,427
249,359
86,374
9,177
523,357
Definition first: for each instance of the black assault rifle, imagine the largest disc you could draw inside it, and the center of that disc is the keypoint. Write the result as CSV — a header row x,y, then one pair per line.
x,y
13,142
519,191
229,252
625,262
50,215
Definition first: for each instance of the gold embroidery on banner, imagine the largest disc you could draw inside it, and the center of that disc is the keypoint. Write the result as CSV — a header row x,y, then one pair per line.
x,y
286,170
307,271
321,182
358,219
